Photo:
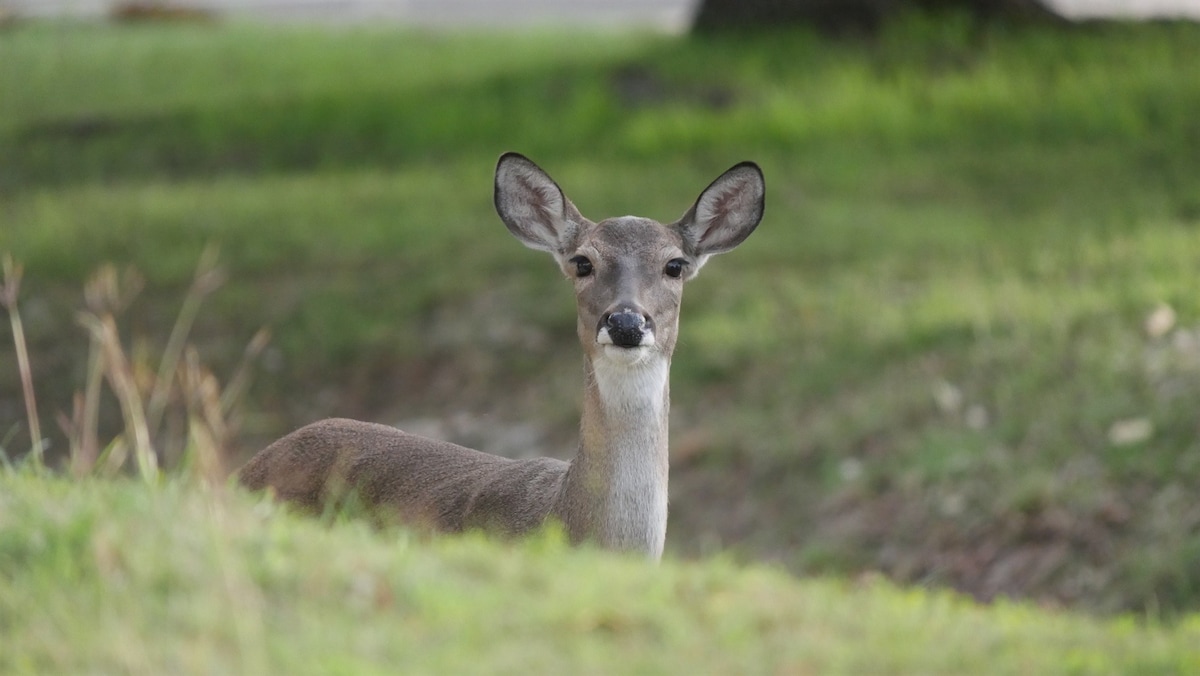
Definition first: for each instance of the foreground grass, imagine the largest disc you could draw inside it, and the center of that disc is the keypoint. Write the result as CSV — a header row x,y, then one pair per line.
x,y
104,577
927,360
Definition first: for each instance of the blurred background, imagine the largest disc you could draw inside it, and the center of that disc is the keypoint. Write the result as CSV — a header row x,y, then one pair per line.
x,y
670,15
962,350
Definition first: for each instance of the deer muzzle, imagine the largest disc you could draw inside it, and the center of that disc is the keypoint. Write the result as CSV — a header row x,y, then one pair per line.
x,y
625,328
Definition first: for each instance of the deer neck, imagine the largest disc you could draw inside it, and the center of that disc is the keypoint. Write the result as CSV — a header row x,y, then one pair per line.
x,y
615,492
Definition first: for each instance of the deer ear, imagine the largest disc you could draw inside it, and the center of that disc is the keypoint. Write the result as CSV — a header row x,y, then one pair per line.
x,y
725,214
533,206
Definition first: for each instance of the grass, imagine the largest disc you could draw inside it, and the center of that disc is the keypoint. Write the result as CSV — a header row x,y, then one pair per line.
x,y
173,579
920,364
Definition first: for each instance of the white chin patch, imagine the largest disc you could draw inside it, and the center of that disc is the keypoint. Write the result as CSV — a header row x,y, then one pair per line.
x,y
603,338
627,356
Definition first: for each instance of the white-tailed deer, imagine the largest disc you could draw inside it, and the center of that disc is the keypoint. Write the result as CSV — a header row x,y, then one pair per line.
x,y
628,274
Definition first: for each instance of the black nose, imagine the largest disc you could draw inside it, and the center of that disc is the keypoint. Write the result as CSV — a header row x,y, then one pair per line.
x,y
626,327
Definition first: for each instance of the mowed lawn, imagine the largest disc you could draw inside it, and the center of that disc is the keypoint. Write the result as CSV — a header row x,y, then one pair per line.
x,y
117,577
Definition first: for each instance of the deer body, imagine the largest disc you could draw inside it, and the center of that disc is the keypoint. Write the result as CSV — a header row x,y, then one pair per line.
x,y
628,274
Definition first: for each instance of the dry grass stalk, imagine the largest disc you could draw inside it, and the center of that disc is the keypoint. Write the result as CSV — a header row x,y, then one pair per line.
x,y
176,403
121,380
208,431
8,295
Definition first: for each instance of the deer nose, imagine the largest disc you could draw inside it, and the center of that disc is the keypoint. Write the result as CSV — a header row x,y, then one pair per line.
x,y
626,327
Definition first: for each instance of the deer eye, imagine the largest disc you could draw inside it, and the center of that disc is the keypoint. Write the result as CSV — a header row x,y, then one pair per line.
x,y
675,267
583,267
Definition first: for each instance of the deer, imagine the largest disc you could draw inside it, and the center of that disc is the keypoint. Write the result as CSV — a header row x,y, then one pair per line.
x,y
628,274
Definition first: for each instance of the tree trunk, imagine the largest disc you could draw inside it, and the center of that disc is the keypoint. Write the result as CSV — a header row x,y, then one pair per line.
x,y
848,16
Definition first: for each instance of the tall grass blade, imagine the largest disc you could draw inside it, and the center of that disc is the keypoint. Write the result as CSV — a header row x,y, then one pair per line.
x,y
240,380
206,279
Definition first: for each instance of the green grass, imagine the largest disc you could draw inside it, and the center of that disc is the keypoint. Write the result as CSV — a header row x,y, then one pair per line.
x,y
913,366
176,579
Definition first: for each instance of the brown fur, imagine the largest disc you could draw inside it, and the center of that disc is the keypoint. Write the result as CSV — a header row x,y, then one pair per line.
x,y
445,486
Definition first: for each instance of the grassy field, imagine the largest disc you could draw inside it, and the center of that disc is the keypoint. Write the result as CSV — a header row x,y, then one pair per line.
x,y
179,580
963,349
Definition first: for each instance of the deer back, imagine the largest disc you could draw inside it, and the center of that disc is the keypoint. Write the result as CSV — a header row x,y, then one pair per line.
x,y
417,481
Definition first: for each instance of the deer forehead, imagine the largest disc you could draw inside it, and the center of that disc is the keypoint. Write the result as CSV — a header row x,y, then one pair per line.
x,y
631,238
